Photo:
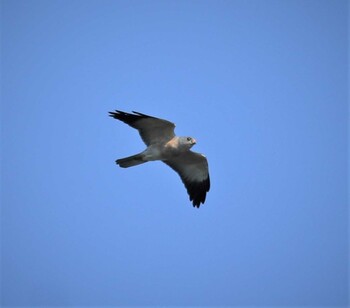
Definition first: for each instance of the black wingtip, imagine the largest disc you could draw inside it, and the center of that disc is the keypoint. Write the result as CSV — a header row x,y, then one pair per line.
x,y
128,118
118,114
198,192
115,114
142,114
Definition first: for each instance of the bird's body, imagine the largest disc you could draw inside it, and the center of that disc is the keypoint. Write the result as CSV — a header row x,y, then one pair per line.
x,y
163,145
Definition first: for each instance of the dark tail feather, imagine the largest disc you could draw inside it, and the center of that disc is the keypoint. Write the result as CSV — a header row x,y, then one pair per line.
x,y
131,161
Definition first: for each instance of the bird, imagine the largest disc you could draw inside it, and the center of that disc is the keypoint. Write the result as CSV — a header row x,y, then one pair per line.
x,y
163,145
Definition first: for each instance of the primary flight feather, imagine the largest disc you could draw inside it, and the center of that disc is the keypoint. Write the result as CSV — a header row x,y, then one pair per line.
x,y
163,144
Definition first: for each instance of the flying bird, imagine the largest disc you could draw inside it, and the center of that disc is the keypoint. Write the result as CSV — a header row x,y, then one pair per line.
x,y
162,144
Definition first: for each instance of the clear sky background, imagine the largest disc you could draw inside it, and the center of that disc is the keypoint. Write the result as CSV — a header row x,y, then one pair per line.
x,y
262,86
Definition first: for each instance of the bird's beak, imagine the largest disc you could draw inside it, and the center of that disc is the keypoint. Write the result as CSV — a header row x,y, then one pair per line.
x,y
194,141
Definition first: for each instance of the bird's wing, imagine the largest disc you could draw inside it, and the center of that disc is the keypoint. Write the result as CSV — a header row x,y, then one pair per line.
x,y
152,130
194,172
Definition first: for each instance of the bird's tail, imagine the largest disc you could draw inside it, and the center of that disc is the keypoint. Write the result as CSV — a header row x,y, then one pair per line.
x,y
130,161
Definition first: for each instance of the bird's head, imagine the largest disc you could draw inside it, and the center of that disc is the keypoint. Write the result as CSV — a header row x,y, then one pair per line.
x,y
187,142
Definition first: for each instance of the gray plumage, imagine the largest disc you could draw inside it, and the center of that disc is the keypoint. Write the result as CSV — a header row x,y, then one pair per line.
x,y
164,145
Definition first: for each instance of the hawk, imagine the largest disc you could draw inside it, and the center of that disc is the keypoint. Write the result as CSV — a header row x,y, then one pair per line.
x,y
162,144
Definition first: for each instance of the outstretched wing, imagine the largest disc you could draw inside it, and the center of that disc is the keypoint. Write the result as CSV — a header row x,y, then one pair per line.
x,y
193,170
152,130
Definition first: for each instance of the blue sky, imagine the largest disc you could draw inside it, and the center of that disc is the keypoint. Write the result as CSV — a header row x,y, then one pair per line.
x,y
261,84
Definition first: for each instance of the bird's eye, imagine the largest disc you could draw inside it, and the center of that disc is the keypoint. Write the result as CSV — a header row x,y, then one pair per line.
x,y
189,138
